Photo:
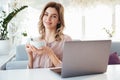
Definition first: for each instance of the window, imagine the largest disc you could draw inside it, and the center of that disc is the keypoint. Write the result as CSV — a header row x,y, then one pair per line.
x,y
97,18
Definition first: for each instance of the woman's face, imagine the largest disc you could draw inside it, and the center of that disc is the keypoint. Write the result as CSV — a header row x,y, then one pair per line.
x,y
50,18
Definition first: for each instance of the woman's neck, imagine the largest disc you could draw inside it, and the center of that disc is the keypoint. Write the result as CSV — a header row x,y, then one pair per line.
x,y
50,36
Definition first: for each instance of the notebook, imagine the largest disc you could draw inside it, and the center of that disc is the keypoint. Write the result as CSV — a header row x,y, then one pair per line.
x,y
84,58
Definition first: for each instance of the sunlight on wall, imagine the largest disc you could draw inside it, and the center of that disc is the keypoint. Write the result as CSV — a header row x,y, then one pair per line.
x,y
117,22
32,22
96,19
73,22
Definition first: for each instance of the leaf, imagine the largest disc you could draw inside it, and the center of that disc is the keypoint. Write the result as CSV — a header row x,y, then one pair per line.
x,y
3,34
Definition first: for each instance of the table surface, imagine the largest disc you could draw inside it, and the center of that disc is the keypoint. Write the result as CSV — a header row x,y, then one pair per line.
x,y
113,73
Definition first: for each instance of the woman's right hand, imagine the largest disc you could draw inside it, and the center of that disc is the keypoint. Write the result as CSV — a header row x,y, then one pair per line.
x,y
29,50
30,55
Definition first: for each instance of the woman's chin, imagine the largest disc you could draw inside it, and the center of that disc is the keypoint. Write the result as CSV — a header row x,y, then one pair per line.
x,y
48,27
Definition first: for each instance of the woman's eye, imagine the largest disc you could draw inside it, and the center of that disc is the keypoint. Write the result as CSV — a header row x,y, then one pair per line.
x,y
54,16
45,14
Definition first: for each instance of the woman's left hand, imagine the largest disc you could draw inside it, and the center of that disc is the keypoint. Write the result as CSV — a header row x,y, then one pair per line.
x,y
42,50
47,50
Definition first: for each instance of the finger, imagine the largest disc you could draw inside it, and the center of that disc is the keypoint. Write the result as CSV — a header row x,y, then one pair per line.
x,y
27,45
41,47
34,49
41,51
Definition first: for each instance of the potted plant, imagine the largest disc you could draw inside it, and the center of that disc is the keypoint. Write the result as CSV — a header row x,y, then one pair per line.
x,y
109,32
4,20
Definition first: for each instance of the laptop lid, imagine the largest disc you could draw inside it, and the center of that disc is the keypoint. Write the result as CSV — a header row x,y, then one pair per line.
x,y
85,57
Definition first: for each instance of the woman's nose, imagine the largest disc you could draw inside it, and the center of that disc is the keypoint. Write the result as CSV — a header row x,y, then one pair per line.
x,y
48,18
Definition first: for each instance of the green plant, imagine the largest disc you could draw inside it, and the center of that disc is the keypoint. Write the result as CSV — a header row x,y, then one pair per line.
x,y
24,34
4,22
110,33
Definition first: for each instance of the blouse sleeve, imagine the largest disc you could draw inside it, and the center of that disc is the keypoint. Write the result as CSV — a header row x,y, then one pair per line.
x,y
68,38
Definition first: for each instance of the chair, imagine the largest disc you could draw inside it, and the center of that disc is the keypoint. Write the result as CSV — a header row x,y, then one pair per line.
x,y
21,59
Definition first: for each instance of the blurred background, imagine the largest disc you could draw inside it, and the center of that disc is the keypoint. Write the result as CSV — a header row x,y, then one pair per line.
x,y
84,19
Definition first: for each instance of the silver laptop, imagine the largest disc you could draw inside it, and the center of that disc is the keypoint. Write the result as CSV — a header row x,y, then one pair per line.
x,y
85,57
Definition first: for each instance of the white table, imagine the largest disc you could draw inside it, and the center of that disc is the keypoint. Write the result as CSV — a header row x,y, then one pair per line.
x,y
113,73
5,58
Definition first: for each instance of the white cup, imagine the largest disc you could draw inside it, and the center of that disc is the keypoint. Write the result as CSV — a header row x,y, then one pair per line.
x,y
38,44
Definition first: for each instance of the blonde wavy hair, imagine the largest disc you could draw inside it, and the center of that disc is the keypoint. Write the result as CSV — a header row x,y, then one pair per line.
x,y
59,30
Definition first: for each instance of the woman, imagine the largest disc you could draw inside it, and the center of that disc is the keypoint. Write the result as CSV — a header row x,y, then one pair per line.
x,y
51,25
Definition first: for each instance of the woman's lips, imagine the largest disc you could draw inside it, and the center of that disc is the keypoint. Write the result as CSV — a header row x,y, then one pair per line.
x,y
48,23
